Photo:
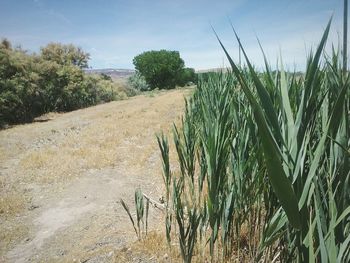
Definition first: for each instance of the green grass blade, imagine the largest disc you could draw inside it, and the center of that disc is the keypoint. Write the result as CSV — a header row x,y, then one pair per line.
x,y
126,207
273,157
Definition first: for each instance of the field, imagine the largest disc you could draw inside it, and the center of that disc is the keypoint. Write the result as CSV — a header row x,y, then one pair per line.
x,y
62,177
248,165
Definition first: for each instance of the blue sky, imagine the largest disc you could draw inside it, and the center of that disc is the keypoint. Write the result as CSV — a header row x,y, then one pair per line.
x,y
114,31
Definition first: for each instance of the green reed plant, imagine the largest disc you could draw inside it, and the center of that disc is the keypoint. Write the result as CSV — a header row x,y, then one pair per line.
x,y
188,219
297,169
167,178
142,211
264,164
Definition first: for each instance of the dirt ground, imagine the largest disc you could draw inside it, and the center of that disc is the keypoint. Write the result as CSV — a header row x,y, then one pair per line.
x,y
61,179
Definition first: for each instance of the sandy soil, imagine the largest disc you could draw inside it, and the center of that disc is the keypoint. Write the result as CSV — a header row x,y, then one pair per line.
x,y
62,178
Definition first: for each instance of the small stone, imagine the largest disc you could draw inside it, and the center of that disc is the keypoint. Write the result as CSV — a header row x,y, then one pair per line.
x,y
165,256
32,207
161,199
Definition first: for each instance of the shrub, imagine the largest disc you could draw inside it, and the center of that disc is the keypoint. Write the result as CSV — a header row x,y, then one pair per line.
x,y
138,82
18,89
65,54
105,76
31,84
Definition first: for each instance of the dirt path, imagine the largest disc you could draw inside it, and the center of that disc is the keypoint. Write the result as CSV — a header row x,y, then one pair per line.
x,y
61,180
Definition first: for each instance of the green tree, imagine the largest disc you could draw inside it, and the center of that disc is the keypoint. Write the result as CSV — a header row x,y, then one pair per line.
x,y
187,76
65,54
161,69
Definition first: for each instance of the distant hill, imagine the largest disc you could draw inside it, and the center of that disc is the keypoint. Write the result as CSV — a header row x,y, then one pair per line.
x,y
112,72
211,70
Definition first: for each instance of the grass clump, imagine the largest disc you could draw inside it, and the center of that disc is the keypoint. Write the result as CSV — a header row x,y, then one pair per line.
x,y
142,208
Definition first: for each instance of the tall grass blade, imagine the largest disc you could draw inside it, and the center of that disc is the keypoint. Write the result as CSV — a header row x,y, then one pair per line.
x,y
126,207
280,183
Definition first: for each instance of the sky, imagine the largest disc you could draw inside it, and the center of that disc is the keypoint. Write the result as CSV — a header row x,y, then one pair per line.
x,y
113,32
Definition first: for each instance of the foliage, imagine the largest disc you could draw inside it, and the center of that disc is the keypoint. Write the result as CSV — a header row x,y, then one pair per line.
x,y
162,69
105,76
65,54
138,82
141,214
264,165
32,84
188,76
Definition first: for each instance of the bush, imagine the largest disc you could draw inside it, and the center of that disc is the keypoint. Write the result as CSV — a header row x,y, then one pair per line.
x,y
138,82
18,90
65,55
31,84
128,90
105,76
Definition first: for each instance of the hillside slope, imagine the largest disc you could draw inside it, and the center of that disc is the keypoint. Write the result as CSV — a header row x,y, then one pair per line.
x,y
61,179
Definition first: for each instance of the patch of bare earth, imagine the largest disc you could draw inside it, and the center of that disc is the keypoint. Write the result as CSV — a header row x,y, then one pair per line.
x,y
61,179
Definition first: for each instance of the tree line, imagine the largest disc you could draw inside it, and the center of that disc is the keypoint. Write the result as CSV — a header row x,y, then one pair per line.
x,y
52,80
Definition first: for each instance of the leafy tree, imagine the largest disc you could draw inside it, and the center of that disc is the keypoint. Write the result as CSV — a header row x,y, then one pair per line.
x,y
161,69
65,54
187,76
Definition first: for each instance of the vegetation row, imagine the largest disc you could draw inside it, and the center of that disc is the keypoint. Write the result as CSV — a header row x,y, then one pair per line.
x,y
264,166
53,80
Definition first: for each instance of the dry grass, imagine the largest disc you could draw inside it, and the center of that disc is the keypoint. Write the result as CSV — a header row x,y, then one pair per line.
x,y
20,232
45,156
11,203
153,248
111,136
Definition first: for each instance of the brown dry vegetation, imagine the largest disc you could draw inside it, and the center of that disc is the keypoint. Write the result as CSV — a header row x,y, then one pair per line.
x,y
73,168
